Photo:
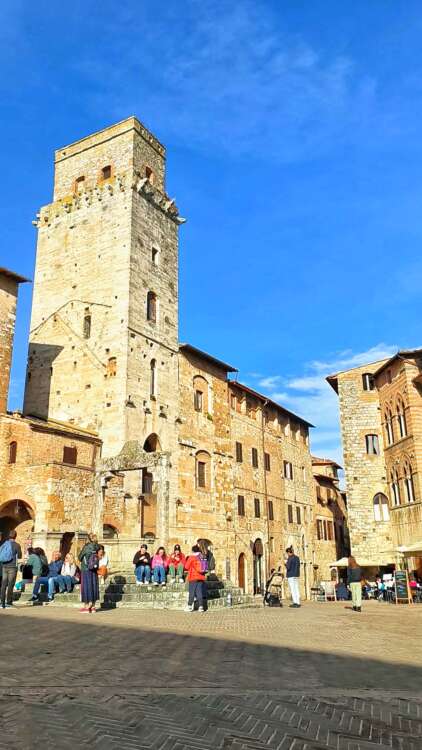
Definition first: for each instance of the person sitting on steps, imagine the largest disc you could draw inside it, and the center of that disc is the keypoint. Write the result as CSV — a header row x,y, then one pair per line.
x,y
159,567
142,563
177,564
66,579
54,570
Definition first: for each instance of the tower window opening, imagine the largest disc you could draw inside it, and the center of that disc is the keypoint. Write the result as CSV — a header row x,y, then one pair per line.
x,y
87,326
149,174
13,449
106,172
79,183
153,379
154,256
152,307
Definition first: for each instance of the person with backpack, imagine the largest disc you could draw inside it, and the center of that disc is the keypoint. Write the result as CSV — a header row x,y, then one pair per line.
x,y
10,553
90,562
177,564
196,580
53,571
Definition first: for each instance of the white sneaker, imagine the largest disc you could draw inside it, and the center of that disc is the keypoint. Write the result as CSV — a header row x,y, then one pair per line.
x,y
145,583
155,583
201,609
139,583
188,609
173,580
164,583
181,580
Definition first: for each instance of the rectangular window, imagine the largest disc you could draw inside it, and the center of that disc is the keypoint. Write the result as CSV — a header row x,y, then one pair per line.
x,y
240,505
290,513
288,470
154,256
368,381
87,326
146,483
298,515
232,401
254,458
330,531
372,445
198,400
257,506
69,455
106,172
320,529
267,462
270,510
239,453
201,474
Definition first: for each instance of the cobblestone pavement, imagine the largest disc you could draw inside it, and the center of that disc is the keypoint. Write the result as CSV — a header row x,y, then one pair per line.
x,y
319,677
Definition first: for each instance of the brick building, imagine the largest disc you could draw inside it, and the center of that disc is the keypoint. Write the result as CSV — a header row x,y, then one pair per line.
x,y
124,430
381,422
331,541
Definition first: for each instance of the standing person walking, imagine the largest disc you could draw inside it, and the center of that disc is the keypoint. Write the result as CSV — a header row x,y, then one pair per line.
x,y
293,576
10,553
89,574
196,580
354,579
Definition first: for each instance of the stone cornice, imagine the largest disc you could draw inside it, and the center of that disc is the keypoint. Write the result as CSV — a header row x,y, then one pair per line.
x,y
120,183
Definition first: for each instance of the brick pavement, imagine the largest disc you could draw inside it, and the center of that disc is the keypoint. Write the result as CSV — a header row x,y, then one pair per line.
x,y
318,677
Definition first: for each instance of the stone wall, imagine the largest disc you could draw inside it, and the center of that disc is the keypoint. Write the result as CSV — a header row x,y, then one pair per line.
x,y
8,299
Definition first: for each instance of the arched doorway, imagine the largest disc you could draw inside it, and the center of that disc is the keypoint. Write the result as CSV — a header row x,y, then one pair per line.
x,y
241,571
258,552
152,443
17,515
110,532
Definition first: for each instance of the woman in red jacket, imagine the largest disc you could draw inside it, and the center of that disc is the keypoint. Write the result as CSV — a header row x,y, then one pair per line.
x,y
196,580
177,564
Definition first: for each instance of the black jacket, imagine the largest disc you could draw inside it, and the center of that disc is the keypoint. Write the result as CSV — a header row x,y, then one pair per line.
x,y
354,575
142,558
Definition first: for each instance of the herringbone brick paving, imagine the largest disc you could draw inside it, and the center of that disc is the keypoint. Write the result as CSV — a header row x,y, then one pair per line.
x,y
319,677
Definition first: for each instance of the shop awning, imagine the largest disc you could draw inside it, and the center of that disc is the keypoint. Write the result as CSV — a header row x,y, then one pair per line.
x,y
410,548
343,562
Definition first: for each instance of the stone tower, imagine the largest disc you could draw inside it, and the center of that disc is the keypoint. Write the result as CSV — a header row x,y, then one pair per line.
x,y
9,284
104,327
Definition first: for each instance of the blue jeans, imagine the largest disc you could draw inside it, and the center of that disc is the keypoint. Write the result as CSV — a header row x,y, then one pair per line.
x,y
40,580
143,571
63,582
159,574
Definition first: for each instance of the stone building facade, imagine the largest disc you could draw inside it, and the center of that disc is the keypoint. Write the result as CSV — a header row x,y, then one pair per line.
x,y
165,444
9,285
381,422
331,539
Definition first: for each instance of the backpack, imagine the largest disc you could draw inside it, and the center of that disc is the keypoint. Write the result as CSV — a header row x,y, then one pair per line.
x,y
6,552
93,561
203,561
44,565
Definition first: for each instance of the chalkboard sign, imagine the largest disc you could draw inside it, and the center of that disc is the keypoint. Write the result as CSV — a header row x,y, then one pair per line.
x,y
401,583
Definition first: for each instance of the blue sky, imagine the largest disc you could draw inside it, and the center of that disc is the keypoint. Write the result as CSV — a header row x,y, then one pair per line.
x,y
294,150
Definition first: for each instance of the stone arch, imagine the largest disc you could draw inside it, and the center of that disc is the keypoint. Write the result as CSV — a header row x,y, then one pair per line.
x,y
200,394
17,515
152,443
110,531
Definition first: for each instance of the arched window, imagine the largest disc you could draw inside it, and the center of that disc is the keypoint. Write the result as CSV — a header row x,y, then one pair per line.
x,y
152,307
395,488
153,379
152,443
203,470
200,394
408,483
79,183
401,419
381,510
109,531
149,174
13,449
389,428
372,445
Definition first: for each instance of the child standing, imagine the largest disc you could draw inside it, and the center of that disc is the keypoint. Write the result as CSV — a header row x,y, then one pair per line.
x,y
196,580
103,564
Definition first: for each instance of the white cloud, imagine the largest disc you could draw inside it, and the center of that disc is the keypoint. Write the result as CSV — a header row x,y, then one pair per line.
x,y
310,396
232,77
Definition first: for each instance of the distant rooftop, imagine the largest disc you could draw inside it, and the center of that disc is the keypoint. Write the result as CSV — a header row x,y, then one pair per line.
x,y
268,400
204,355
316,461
15,276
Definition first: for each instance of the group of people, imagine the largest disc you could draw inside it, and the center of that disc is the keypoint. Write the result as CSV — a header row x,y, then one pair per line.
x,y
59,575
196,566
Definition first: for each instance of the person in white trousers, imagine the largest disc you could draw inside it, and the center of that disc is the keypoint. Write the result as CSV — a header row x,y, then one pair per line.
x,y
293,576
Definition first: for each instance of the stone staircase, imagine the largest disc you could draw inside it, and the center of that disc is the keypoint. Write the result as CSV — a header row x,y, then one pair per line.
x,y
121,590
